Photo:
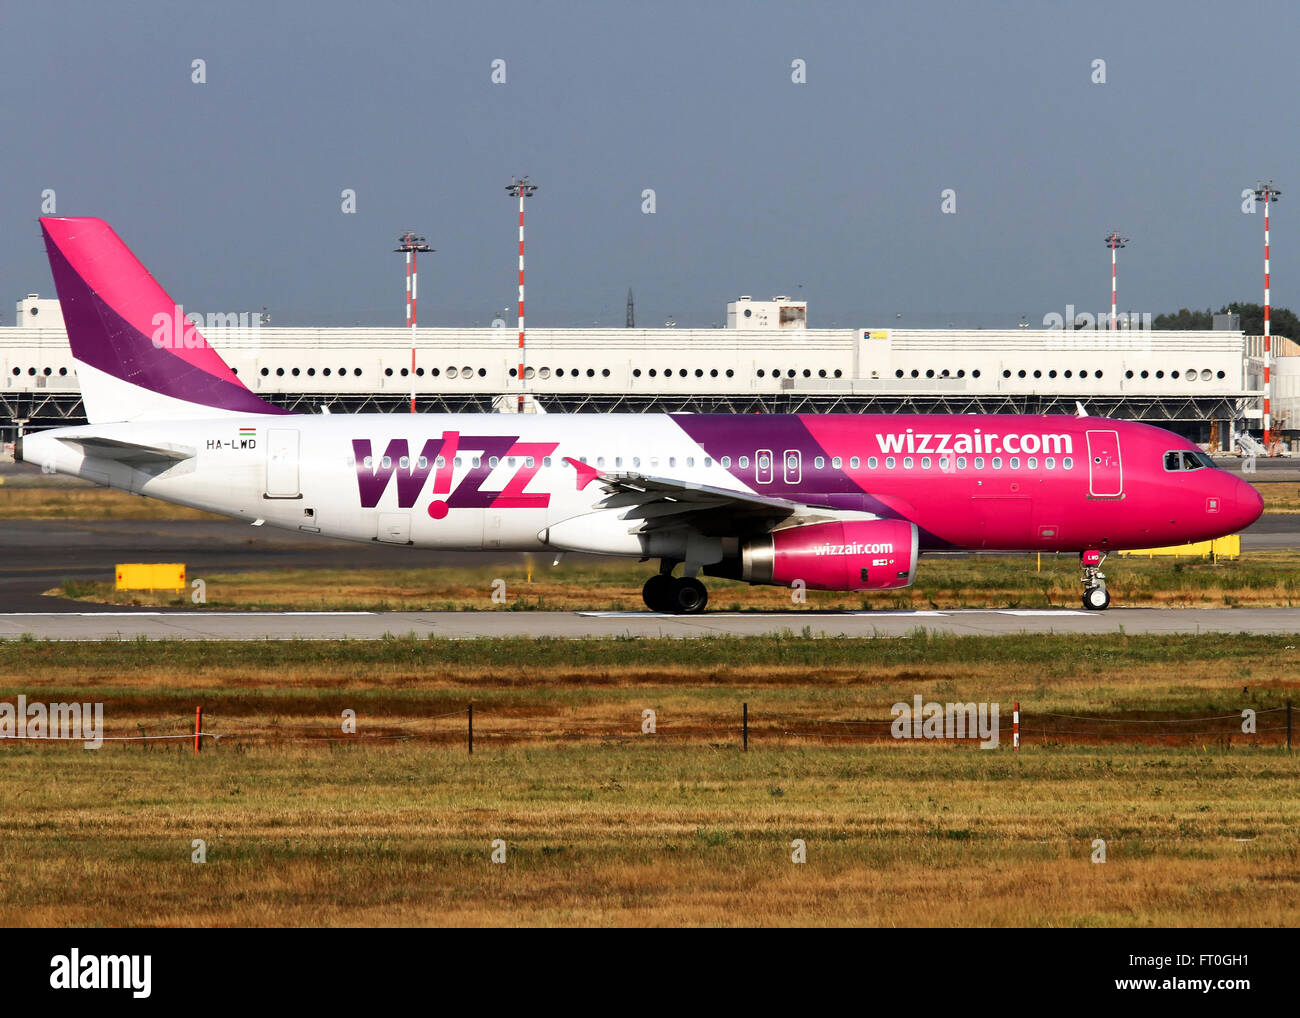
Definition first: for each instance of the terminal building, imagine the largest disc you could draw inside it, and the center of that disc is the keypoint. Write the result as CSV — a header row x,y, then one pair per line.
x,y
1205,385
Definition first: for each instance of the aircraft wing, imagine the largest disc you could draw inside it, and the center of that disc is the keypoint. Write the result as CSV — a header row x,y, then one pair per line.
x,y
661,503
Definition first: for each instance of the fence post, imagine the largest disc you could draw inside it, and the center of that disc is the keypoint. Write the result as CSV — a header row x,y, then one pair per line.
x,y
744,727
471,728
1015,727
198,729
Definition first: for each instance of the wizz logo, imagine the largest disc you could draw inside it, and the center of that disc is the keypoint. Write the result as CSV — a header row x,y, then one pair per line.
x,y
487,453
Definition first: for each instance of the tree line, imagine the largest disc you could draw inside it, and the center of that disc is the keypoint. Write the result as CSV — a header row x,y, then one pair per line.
x,y
1283,321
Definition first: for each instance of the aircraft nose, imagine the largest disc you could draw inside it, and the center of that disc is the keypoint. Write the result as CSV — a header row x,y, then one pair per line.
x,y
1248,504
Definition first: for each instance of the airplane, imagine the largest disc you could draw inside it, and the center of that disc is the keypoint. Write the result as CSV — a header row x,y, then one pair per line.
x,y
842,502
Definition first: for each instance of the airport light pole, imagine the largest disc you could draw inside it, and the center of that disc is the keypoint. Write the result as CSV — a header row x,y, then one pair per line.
x,y
411,245
1268,194
521,189
1114,241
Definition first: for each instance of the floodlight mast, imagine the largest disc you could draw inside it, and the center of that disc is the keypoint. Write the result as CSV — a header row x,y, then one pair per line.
x,y
520,188
1268,194
1114,241
411,245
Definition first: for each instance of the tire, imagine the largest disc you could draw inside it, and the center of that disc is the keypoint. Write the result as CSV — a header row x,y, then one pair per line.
x,y
1096,599
658,593
689,596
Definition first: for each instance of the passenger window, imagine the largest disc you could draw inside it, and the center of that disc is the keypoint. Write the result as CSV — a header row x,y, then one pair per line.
x,y
1015,462
423,462
369,462
872,462
925,462
961,462
907,462
819,462
743,462
1032,463
386,462
1067,463
528,462
1049,463
441,462
726,462
890,462
854,463
837,462
405,463
493,461
979,462
997,462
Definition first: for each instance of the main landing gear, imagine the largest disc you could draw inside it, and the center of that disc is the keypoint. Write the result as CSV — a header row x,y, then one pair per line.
x,y
1095,597
664,592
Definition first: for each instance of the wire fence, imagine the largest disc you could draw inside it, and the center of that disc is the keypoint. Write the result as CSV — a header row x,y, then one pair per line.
x,y
984,725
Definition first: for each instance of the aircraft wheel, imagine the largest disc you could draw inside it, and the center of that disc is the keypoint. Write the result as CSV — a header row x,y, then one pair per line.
x,y
689,596
1096,599
658,593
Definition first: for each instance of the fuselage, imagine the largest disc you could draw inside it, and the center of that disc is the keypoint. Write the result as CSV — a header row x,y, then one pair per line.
x,y
501,481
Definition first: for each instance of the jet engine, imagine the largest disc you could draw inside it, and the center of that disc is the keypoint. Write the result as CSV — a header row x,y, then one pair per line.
x,y
848,555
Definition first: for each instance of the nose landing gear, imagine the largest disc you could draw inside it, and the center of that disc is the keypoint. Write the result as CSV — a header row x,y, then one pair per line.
x,y
1095,596
666,593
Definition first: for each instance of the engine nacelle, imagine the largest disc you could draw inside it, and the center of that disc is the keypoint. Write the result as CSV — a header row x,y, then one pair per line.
x,y
850,555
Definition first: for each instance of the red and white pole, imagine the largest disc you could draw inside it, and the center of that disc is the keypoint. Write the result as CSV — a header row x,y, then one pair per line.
x,y
1268,344
1015,726
522,357
411,269
1112,286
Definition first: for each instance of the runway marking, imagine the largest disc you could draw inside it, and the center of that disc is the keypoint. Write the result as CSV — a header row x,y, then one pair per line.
x,y
164,615
1035,612
763,616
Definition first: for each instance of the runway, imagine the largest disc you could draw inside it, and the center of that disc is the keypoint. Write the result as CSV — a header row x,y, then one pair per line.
x,y
212,625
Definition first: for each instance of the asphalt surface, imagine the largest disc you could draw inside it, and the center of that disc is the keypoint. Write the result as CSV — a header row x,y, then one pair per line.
x,y
113,625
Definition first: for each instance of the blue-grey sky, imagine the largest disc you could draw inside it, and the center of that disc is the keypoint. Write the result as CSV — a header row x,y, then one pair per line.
x,y
230,190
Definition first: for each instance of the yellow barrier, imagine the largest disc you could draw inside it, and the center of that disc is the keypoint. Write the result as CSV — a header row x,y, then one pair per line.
x,y
151,576
1220,547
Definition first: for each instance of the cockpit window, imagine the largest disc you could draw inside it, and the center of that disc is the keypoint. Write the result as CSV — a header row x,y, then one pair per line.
x,y
1181,459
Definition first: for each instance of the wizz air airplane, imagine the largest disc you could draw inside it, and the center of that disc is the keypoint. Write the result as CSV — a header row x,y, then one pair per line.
x,y
832,502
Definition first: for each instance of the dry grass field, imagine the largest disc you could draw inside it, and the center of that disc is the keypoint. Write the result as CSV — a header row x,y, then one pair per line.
x,y
606,826
29,502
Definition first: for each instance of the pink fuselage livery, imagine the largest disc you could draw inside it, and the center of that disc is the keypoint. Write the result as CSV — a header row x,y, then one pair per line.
x,y
973,482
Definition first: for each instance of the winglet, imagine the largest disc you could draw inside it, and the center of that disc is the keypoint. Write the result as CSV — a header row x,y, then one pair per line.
x,y
586,472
